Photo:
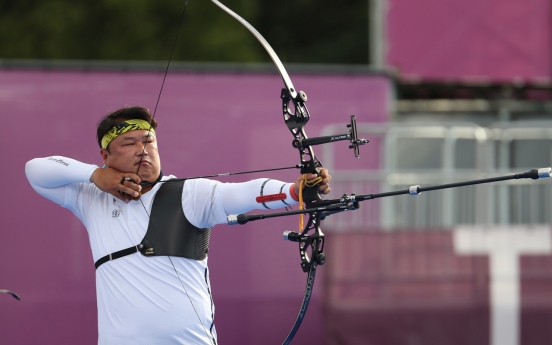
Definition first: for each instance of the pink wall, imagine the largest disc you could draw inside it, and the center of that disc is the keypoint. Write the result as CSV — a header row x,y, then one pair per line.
x,y
413,287
483,40
209,123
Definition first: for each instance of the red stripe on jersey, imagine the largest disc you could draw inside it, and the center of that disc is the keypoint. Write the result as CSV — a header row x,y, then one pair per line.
x,y
271,197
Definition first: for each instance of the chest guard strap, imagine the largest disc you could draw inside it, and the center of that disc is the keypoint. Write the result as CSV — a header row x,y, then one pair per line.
x,y
169,232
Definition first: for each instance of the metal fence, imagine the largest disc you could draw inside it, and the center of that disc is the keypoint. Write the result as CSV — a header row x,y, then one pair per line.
x,y
437,153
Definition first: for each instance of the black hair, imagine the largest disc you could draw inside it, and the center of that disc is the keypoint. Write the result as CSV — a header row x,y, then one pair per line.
x,y
123,114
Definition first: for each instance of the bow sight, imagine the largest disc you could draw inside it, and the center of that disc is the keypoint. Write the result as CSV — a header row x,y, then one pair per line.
x,y
352,136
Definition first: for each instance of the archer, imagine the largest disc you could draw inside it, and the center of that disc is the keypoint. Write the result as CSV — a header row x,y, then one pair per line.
x,y
144,226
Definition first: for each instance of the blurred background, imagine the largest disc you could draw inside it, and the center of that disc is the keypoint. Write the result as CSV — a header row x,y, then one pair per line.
x,y
445,91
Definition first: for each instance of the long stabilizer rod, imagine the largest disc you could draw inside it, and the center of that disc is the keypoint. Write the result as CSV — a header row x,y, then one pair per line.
x,y
350,202
534,174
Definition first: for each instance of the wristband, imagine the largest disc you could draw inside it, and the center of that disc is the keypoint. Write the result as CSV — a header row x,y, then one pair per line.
x,y
292,193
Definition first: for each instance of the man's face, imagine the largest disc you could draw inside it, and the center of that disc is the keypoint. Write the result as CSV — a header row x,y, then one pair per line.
x,y
127,154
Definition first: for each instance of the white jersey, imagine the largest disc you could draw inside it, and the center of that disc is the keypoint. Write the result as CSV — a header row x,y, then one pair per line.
x,y
141,300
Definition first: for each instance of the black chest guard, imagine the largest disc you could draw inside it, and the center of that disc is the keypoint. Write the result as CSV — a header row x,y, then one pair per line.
x,y
169,232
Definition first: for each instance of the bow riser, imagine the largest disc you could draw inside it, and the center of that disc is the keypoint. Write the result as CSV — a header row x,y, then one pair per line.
x,y
296,121
313,244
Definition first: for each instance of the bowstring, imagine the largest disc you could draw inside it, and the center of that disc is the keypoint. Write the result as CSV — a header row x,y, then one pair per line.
x,y
211,340
147,183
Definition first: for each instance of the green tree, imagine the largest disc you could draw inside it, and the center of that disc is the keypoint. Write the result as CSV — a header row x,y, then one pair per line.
x,y
316,31
122,30
299,31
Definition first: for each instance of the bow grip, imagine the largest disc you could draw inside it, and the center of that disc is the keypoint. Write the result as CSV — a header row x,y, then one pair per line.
x,y
311,194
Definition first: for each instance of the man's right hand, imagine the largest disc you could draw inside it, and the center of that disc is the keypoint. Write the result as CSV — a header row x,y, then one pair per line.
x,y
109,180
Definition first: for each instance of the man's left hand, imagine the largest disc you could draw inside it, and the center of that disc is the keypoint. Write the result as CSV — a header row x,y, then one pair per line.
x,y
323,187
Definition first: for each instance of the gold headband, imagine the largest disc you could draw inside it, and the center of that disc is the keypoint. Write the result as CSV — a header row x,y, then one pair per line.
x,y
123,127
